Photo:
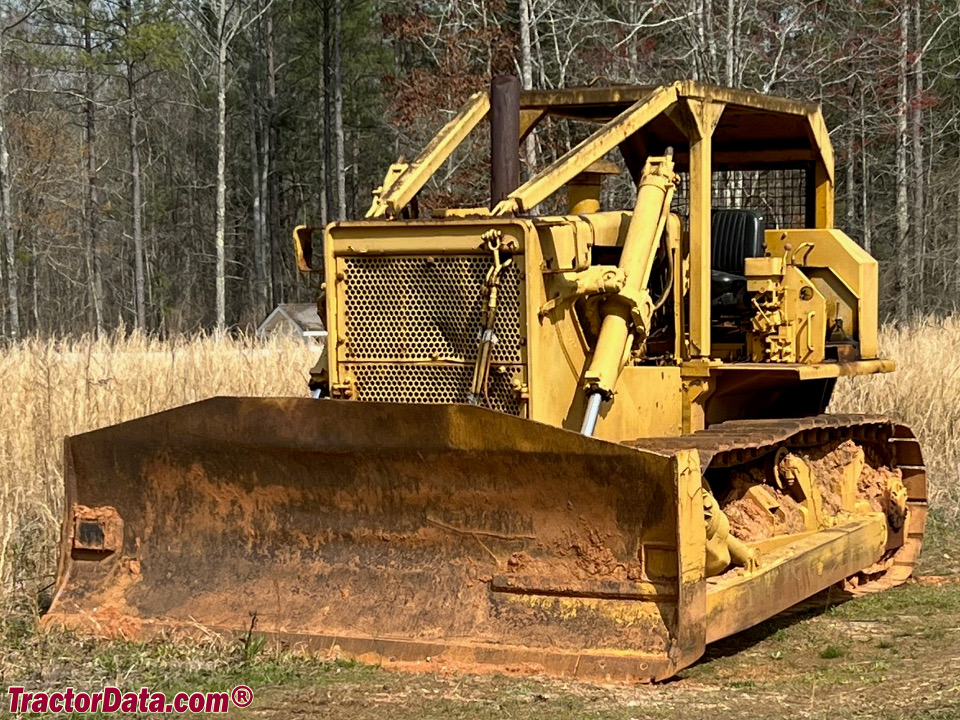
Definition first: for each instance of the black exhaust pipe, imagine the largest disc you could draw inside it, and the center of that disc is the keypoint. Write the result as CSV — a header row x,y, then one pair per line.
x,y
504,137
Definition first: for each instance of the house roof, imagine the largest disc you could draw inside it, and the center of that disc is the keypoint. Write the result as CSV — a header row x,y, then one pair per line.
x,y
302,317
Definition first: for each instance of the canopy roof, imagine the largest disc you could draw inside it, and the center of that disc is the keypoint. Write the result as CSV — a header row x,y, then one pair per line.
x,y
747,130
754,130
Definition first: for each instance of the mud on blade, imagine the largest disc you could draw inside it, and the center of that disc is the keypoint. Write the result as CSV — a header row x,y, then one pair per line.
x,y
392,531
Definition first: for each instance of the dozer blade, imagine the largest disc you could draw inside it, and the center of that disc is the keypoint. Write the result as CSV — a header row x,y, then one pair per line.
x,y
388,532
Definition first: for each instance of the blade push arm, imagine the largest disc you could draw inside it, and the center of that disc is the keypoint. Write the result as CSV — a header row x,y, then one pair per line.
x,y
404,180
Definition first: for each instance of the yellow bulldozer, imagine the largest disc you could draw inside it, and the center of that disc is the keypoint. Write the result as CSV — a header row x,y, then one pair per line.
x,y
546,434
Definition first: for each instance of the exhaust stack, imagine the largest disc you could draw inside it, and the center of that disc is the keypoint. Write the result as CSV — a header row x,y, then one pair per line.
x,y
504,137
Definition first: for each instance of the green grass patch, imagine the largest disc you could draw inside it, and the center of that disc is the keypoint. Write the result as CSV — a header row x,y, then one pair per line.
x,y
910,599
831,652
941,546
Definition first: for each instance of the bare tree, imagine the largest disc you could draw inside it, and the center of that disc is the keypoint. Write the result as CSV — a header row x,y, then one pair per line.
x,y
230,17
338,108
92,205
526,73
136,174
916,132
255,139
7,239
329,170
902,179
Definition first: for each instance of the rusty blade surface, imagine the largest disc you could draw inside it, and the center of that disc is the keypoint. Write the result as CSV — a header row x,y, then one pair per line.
x,y
384,530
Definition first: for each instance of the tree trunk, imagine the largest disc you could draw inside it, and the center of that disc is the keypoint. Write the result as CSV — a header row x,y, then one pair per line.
x,y
354,165
139,275
918,224
328,163
271,176
864,178
956,269
259,294
7,244
731,41
526,70
321,121
92,210
220,236
849,191
338,108
903,207
706,66
33,281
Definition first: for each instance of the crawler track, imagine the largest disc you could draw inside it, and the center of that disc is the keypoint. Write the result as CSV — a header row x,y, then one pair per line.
x,y
738,442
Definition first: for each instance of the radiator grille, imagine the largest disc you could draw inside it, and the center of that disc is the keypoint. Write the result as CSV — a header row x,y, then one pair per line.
x,y
429,384
411,324
426,308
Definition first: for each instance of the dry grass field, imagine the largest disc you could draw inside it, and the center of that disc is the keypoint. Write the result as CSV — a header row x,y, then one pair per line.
x,y
52,389
924,392
887,656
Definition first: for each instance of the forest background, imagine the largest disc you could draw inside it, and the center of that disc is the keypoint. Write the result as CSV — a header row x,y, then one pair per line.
x,y
156,154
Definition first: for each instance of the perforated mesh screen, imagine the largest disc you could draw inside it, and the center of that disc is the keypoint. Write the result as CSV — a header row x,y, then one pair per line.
x,y
416,383
426,308
411,326
779,194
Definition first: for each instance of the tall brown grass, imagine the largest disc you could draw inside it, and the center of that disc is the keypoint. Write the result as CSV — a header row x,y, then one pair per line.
x,y
924,393
49,389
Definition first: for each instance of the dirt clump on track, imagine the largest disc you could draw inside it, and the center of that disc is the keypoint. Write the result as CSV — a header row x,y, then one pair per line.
x,y
749,521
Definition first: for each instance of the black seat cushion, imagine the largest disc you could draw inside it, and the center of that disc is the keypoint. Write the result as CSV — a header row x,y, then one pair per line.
x,y
725,282
735,236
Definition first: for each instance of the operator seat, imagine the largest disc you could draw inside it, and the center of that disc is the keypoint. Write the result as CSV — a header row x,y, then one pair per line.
x,y
735,235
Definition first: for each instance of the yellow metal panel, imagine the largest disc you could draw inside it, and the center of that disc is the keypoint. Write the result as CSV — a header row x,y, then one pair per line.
x,y
792,573
556,347
799,371
648,400
648,403
820,137
698,120
609,226
823,212
579,97
333,301
398,238
626,314
691,631
303,248
528,121
548,340
837,253
816,128
731,96
423,236
566,241
699,233
760,157
848,369
697,387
